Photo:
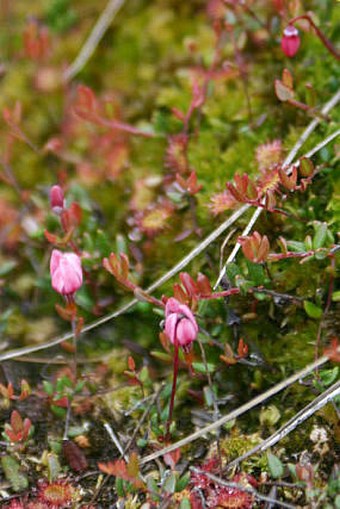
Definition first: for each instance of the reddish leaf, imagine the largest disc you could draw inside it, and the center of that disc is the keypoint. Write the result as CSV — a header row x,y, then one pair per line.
x,y
53,239
189,284
131,363
255,247
172,458
288,181
242,349
16,422
287,79
306,167
333,351
203,284
283,93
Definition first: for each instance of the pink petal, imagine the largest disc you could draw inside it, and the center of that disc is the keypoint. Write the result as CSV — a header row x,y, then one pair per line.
x,y
186,332
55,259
170,327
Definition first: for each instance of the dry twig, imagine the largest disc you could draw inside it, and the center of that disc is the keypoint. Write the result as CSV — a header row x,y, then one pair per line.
x,y
91,43
293,423
238,411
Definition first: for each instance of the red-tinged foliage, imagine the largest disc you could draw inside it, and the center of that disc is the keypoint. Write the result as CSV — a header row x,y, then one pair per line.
x,y
306,167
287,78
131,363
119,268
333,351
52,238
59,241
288,181
18,430
36,40
243,189
228,358
126,471
190,184
180,294
255,247
203,284
220,202
172,458
72,216
67,313
61,402
74,456
242,349
283,91
86,105
190,291
25,390
189,284
7,392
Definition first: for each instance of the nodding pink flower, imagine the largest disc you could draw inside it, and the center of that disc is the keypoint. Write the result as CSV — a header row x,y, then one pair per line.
x,y
66,272
290,41
180,324
57,199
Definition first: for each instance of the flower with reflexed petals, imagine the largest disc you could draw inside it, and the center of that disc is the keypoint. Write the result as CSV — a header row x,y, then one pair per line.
x,y
66,272
180,324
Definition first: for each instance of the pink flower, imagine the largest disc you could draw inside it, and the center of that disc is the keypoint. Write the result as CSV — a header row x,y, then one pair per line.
x,y
290,41
66,272
180,323
57,199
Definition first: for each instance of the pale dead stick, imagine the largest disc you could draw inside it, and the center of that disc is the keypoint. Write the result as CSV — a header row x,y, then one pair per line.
x,y
305,135
293,423
163,279
91,43
238,411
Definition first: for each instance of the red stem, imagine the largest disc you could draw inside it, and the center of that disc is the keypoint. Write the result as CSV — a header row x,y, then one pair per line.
x,y
122,126
173,390
326,42
217,295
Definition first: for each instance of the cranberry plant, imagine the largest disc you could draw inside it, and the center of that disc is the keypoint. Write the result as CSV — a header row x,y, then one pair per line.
x,y
169,230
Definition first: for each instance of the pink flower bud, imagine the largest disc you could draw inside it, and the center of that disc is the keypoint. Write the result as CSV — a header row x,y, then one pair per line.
x,y
290,41
180,323
57,199
66,272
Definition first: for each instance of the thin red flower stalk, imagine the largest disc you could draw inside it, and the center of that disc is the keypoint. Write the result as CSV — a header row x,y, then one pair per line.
x,y
217,295
174,384
181,329
326,42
